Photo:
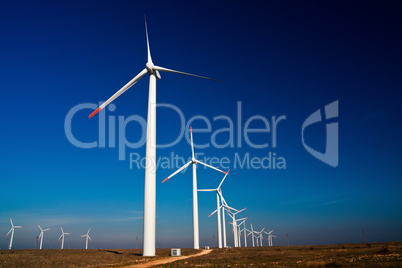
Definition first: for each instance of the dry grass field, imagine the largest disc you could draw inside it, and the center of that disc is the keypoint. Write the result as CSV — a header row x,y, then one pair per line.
x,y
346,255
52,258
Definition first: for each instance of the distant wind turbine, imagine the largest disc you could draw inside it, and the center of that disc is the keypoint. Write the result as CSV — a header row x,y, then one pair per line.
x,y
218,207
259,236
62,237
12,233
86,238
41,235
252,234
224,206
239,231
195,197
270,235
150,184
235,229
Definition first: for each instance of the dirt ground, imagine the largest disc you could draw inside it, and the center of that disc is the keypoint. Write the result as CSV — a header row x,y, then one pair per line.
x,y
71,258
346,255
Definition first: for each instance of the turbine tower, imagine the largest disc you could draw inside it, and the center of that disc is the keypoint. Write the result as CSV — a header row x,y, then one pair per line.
x,y
195,197
62,237
41,235
218,207
12,233
86,238
150,184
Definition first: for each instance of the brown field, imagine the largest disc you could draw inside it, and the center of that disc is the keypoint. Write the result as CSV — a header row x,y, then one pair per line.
x,y
51,258
344,255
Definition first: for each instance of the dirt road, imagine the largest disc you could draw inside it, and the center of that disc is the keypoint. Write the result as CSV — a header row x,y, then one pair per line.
x,y
168,260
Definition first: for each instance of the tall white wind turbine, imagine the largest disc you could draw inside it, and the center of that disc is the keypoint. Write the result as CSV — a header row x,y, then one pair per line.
x,y
195,197
86,238
150,184
62,237
218,207
12,233
41,235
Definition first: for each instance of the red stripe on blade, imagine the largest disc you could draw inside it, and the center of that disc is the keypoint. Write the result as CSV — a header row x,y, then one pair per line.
x,y
95,112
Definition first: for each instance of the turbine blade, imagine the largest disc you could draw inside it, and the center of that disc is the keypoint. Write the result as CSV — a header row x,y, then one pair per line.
x,y
89,238
83,235
241,210
210,166
89,230
47,229
177,171
206,190
178,72
192,145
121,91
62,229
11,222
213,213
40,228
67,233
18,226
220,184
146,32
60,237
9,231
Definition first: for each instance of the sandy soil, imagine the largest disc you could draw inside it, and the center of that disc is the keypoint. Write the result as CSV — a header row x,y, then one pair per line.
x,y
168,260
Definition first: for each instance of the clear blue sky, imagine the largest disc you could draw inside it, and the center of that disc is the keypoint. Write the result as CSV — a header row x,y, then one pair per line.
x,y
276,58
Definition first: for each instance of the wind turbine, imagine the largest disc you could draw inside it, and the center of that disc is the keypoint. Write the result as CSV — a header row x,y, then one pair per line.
x,y
62,237
224,206
150,184
41,235
233,216
245,234
218,207
195,197
252,234
270,235
244,227
259,236
86,238
12,233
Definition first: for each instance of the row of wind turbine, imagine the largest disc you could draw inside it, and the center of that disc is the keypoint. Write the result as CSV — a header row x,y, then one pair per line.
x,y
40,237
150,176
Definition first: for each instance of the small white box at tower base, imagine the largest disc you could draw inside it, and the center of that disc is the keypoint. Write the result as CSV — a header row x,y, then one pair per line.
x,y
206,247
175,252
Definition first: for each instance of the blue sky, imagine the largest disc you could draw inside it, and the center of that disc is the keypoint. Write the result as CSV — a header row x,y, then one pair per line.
x,y
276,59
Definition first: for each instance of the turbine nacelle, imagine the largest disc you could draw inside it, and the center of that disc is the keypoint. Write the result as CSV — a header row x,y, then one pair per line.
x,y
150,67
